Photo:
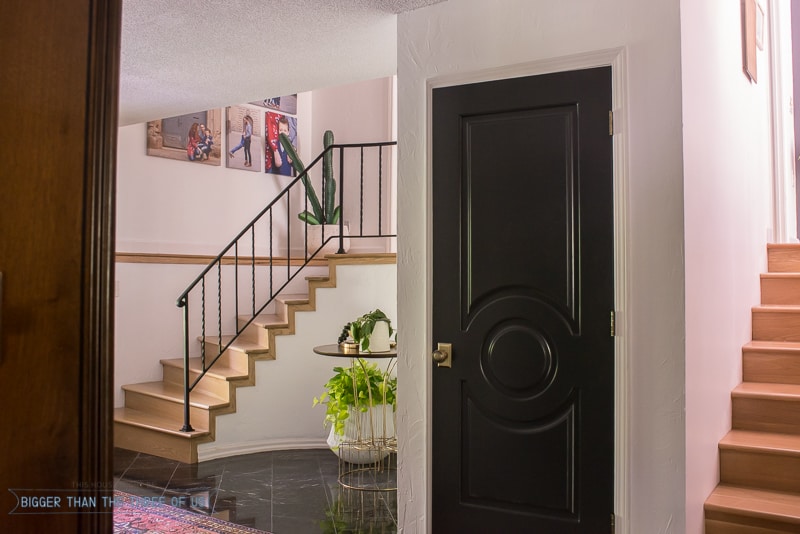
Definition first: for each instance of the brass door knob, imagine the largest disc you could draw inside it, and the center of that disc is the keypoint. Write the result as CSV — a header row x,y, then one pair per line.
x,y
443,355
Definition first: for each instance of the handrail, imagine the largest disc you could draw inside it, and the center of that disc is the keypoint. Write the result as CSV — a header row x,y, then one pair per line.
x,y
265,217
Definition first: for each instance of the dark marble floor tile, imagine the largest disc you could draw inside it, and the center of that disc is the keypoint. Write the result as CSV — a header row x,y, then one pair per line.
x,y
138,489
251,498
246,486
283,492
187,477
123,458
312,509
299,525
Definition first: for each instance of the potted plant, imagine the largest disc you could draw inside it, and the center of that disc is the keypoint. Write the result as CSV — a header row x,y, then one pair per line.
x,y
323,218
360,401
372,331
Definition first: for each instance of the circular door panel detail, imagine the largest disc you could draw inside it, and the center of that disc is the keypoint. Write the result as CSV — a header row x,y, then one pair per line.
x,y
517,359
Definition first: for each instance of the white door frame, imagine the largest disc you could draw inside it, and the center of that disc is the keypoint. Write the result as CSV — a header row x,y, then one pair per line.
x,y
784,205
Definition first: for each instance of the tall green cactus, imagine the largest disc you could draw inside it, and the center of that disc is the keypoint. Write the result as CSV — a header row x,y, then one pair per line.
x,y
321,215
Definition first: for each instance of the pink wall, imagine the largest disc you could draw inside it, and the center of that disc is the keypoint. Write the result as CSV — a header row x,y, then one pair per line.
x,y
727,220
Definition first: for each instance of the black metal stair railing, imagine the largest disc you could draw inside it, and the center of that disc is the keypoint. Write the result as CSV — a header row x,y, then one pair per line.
x,y
234,313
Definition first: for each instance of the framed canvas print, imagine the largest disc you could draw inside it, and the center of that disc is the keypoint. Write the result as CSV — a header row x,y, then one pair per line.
x,y
283,104
194,137
276,160
750,52
244,136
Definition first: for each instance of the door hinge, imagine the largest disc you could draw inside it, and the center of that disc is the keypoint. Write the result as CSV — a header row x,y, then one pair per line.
x,y
613,323
613,527
610,122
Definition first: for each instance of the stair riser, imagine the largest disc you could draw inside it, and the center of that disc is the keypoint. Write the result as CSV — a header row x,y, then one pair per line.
x,y
156,443
255,334
783,259
771,367
779,416
208,384
777,472
149,404
780,290
231,358
774,326
745,525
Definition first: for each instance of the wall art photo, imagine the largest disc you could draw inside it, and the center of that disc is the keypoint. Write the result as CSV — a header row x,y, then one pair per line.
x,y
283,104
276,160
194,137
244,136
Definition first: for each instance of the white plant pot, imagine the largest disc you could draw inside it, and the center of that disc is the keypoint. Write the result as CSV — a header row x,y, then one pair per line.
x,y
315,232
365,435
379,339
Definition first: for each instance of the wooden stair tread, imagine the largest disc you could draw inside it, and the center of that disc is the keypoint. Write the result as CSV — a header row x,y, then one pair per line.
x,y
363,258
773,443
777,346
777,308
218,370
755,503
293,298
174,392
239,344
157,422
764,390
781,275
267,320
318,278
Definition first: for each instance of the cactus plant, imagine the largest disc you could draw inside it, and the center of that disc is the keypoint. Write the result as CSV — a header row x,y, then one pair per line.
x,y
327,214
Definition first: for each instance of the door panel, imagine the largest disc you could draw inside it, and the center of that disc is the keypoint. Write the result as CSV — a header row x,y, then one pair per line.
x,y
523,289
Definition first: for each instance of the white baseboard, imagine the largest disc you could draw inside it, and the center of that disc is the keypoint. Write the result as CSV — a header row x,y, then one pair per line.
x,y
213,451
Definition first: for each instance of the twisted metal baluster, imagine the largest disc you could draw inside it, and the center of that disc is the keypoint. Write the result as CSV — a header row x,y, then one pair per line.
x,y
380,188
219,307
253,268
361,204
236,281
271,294
203,323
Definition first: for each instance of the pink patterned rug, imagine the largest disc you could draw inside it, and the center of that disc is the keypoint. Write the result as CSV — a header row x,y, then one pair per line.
x,y
135,515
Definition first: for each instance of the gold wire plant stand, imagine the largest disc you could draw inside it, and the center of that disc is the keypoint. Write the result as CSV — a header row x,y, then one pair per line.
x,y
368,459
380,476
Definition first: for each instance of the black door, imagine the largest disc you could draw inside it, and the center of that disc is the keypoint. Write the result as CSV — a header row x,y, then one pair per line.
x,y
523,421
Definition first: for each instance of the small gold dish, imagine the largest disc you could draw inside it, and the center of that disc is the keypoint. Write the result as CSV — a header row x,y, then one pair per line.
x,y
349,347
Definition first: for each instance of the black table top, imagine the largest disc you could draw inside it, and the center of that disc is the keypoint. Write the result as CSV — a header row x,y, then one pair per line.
x,y
335,350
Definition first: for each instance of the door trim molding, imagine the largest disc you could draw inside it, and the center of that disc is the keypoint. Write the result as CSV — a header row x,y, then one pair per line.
x,y
784,202
616,58
96,428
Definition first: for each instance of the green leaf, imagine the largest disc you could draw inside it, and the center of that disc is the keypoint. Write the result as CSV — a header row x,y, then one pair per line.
x,y
301,170
308,217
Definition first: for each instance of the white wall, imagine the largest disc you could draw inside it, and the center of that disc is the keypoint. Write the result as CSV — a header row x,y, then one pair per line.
x,y
460,37
184,207
727,221
338,109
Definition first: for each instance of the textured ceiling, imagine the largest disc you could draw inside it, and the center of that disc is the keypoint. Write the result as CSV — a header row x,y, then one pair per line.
x,y
181,56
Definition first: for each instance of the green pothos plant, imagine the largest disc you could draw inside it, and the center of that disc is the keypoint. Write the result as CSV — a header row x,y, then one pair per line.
x,y
361,328
360,386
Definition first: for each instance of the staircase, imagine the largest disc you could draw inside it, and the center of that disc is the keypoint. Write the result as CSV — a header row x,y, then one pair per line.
x,y
759,490
152,417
